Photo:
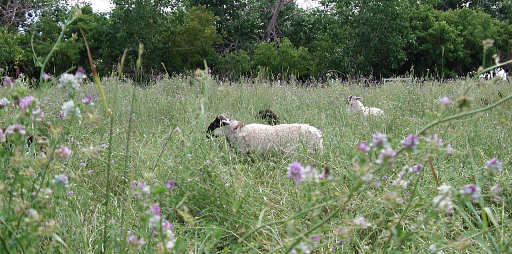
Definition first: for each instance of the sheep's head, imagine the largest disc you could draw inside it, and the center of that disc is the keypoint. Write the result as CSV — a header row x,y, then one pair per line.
x,y
269,116
219,121
352,98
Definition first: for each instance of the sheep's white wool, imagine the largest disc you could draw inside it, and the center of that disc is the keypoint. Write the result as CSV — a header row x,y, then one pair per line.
x,y
356,105
266,138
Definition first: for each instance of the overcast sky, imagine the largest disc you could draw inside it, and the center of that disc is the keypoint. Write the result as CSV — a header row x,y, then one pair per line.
x,y
106,5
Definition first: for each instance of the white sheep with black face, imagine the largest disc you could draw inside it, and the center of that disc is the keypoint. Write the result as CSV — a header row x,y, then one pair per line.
x,y
262,138
355,105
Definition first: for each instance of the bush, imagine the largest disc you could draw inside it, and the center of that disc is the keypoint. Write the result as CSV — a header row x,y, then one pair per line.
x,y
285,60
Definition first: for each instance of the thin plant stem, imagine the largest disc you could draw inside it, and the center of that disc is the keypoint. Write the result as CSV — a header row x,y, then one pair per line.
x,y
61,35
283,220
321,223
434,175
464,114
95,75
108,187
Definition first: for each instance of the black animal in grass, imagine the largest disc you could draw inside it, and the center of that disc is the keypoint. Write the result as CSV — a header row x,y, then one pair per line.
x,y
269,116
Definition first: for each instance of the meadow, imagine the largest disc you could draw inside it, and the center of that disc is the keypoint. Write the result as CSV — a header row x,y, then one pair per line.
x,y
143,178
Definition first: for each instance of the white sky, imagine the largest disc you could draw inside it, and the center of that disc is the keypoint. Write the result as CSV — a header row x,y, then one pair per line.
x,y
106,5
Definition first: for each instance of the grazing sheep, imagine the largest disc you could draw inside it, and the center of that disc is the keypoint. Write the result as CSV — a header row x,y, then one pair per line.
x,y
356,105
269,116
261,138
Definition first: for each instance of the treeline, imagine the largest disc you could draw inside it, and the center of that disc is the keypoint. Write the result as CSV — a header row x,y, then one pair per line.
x,y
271,38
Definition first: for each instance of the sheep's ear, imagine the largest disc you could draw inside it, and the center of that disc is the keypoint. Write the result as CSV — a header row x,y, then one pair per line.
x,y
349,99
357,98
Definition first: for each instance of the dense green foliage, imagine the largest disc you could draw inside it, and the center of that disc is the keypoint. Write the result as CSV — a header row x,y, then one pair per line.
x,y
351,38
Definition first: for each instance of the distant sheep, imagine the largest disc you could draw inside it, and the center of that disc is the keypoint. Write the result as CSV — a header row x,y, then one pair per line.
x,y
356,105
269,116
262,138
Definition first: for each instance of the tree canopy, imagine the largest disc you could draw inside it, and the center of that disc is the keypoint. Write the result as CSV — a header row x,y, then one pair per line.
x,y
352,38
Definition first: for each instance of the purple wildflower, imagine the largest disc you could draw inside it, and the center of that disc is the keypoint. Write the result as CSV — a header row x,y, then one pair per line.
x,y
495,192
134,240
340,242
435,139
87,100
494,165
15,129
82,164
315,238
25,102
70,193
415,168
8,82
80,73
379,139
445,101
470,190
170,184
410,142
167,225
155,209
60,179
63,152
363,147
295,172
449,149
386,155
46,77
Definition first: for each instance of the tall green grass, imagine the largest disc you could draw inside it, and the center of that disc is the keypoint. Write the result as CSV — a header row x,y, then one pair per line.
x,y
225,201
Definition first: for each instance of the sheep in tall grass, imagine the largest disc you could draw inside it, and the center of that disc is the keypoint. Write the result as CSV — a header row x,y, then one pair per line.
x,y
355,105
269,116
262,138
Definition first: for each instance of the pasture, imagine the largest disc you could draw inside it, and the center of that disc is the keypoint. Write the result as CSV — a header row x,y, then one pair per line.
x,y
151,163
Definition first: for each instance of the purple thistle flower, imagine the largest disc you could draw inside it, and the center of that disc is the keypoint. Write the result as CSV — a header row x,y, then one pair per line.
x,y
25,102
82,164
8,82
170,184
494,165
70,193
15,129
363,147
470,190
415,168
155,209
379,139
410,142
445,101
295,172
340,242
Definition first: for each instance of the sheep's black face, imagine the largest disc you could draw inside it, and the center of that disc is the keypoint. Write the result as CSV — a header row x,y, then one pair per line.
x,y
217,123
269,116
352,98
